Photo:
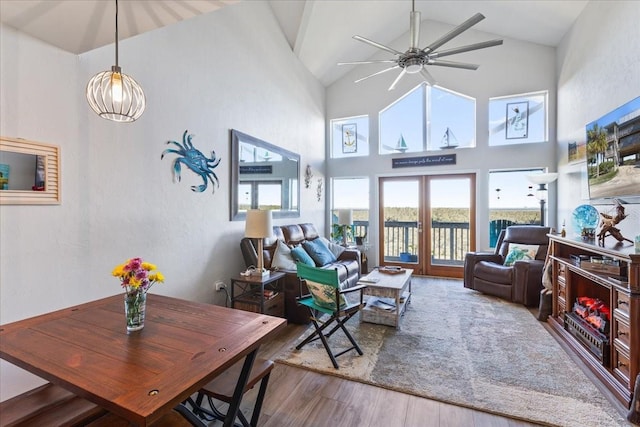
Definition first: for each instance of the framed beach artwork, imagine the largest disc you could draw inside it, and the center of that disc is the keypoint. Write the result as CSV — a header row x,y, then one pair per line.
x,y
349,138
577,151
517,120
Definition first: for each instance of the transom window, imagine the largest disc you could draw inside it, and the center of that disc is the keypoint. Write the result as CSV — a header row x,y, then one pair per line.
x,y
350,137
518,119
428,119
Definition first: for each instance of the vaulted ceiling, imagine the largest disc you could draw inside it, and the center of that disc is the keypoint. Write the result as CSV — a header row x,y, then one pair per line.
x,y
318,31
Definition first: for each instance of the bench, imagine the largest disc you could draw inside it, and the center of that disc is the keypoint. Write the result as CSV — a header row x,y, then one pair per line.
x,y
171,419
48,405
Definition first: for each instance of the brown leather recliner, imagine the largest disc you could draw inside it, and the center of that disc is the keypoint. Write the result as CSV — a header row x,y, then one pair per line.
x,y
520,282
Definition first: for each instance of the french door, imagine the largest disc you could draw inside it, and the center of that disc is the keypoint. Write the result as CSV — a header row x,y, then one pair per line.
x,y
426,222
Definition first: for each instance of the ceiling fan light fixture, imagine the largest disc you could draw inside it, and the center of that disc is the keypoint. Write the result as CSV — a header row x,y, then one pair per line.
x,y
413,66
116,96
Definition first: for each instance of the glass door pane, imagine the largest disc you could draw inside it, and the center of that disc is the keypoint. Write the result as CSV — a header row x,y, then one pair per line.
x,y
450,210
400,220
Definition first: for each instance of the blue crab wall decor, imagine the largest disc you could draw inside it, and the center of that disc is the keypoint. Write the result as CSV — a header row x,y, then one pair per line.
x,y
194,160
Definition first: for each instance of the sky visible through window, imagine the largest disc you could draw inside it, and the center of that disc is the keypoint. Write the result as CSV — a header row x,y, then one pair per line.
x,y
514,190
449,118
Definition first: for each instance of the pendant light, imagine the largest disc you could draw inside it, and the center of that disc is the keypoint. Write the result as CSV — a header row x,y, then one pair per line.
x,y
116,96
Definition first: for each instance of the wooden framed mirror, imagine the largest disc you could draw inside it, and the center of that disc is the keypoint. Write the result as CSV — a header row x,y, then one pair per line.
x,y
30,172
263,176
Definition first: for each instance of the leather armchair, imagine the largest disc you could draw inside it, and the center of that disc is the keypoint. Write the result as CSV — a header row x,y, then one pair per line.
x,y
520,282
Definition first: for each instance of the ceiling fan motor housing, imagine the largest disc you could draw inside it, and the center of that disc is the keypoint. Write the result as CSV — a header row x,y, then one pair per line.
x,y
413,62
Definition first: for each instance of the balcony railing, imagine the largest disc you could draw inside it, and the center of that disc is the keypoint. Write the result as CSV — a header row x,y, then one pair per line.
x,y
449,240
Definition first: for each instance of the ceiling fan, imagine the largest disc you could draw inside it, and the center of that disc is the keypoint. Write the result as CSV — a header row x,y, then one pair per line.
x,y
415,59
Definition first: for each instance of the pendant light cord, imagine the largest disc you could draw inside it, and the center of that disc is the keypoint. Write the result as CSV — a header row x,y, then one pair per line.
x,y
116,33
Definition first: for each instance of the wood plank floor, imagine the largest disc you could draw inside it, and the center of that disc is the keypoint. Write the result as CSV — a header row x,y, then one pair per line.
x,y
297,397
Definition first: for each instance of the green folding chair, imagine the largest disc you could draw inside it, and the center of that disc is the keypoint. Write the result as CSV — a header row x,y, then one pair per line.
x,y
326,297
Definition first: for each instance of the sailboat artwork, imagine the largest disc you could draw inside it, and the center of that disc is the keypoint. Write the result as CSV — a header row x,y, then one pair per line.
x,y
448,140
401,146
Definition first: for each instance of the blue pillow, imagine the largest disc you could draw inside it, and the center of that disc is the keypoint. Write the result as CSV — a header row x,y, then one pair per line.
x,y
299,255
319,252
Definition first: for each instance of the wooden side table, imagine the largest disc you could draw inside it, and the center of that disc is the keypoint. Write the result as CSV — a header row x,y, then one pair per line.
x,y
260,295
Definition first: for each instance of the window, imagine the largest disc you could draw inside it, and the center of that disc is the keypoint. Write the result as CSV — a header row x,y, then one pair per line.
x,y
511,200
452,118
428,119
350,137
518,119
351,193
266,195
402,124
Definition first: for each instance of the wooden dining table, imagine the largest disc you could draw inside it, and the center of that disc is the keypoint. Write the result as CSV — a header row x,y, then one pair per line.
x,y
144,374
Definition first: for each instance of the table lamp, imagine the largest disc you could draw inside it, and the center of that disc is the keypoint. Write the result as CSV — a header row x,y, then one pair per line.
x,y
345,219
258,226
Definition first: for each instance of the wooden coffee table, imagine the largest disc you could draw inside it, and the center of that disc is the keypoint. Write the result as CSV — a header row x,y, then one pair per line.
x,y
387,297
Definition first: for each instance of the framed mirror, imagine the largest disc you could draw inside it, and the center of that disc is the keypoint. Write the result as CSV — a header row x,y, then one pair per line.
x,y
263,176
29,172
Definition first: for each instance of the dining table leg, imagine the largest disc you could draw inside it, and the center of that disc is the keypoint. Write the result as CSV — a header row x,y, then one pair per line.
x,y
234,406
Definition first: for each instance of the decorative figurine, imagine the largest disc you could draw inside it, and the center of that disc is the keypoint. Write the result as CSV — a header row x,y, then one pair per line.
x,y
307,176
194,160
608,225
319,189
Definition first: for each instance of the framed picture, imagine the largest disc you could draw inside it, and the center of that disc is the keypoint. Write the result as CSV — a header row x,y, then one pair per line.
x,y
577,151
4,177
517,120
349,138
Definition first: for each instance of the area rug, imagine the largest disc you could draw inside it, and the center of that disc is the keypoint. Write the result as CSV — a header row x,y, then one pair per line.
x,y
462,347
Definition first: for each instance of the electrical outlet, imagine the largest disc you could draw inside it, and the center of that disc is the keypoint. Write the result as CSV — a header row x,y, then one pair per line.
x,y
220,285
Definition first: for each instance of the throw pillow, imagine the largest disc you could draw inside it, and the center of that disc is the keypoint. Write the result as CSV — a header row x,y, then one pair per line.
x,y
282,259
335,249
300,255
324,295
319,252
519,252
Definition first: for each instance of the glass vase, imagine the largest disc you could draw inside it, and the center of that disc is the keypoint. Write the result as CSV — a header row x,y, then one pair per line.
x,y
134,307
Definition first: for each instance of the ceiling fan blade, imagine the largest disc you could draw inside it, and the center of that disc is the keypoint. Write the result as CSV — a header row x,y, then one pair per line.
x,y
467,48
455,32
428,77
378,45
381,61
414,30
452,64
375,74
395,82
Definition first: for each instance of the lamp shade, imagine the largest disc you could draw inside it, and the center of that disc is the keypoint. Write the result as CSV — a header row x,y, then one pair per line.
x,y
542,178
345,217
115,96
258,224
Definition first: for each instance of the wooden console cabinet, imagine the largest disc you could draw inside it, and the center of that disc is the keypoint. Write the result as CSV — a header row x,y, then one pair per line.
x,y
619,364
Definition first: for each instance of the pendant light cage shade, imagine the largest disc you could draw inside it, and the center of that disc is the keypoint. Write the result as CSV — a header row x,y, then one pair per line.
x,y
116,96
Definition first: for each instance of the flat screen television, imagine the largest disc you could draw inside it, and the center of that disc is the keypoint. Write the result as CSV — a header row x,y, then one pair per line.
x,y
613,155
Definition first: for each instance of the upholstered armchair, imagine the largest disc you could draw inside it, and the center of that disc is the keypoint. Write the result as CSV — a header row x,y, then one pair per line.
x,y
514,271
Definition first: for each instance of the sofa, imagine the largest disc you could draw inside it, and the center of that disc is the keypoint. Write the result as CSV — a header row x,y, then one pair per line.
x,y
514,270
295,235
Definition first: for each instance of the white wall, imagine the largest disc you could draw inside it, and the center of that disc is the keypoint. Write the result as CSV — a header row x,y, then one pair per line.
x,y
598,71
513,68
229,69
